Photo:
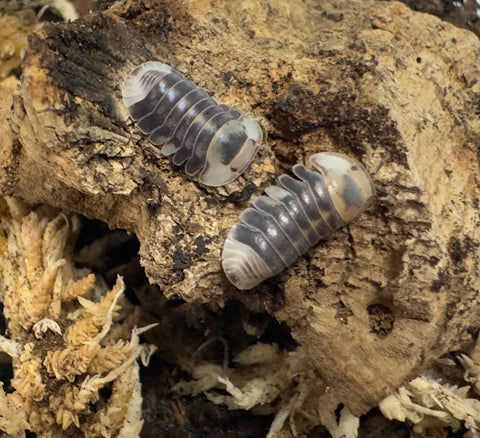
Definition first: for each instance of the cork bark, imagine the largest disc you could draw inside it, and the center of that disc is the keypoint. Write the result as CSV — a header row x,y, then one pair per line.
x,y
396,89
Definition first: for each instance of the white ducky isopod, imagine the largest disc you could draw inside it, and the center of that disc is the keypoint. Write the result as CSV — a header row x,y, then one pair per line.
x,y
214,143
294,216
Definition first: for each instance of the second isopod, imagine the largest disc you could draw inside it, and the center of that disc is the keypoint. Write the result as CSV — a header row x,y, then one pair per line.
x,y
293,216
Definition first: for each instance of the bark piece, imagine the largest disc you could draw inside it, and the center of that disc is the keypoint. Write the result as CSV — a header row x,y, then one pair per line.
x,y
373,305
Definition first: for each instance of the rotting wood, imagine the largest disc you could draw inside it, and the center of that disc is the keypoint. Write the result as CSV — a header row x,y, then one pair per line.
x,y
380,300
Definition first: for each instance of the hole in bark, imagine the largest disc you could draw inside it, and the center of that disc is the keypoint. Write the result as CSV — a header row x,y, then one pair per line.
x,y
338,412
381,319
6,375
101,249
343,312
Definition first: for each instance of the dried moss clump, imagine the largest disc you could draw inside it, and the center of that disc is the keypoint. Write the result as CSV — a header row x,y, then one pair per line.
x,y
286,384
13,42
267,380
67,337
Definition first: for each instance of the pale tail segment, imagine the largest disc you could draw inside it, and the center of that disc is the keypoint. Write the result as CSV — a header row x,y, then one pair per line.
x,y
293,216
214,143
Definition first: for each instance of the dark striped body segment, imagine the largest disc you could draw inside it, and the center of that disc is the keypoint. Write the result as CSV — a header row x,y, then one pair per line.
x,y
214,143
293,216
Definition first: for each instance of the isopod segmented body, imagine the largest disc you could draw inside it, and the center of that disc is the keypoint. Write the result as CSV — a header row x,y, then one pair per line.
x,y
293,216
216,144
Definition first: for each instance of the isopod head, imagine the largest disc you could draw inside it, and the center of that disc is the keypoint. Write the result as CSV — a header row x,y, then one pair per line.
x,y
140,82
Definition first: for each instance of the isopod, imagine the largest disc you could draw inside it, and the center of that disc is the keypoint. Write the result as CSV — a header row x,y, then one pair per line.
x,y
294,216
214,143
